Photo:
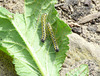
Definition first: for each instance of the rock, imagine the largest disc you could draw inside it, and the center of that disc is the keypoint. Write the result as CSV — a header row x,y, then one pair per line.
x,y
98,74
87,2
77,42
71,2
98,28
89,17
93,67
81,52
77,30
92,28
1,0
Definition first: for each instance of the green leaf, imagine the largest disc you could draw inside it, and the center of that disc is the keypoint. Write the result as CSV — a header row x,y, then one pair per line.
x,y
20,36
82,70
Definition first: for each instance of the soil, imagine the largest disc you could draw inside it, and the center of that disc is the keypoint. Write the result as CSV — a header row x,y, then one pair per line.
x,y
73,11
76,13
6,66
83,16
14,6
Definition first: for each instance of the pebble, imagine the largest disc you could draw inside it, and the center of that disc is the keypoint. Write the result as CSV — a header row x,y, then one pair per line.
x,y
87,2
92,28
71,2
98,28
1,0
77,30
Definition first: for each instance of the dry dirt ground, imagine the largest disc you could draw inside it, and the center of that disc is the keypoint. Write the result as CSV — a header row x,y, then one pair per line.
x,y
83,16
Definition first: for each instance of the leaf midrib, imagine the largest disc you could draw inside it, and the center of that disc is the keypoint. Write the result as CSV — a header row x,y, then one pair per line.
x,y
31,50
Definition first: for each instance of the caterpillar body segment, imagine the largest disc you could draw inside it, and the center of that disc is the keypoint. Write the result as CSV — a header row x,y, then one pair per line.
x,y
53,37
43,24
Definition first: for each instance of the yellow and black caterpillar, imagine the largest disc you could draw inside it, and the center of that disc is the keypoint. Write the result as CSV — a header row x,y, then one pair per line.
x,y
53,37
43,23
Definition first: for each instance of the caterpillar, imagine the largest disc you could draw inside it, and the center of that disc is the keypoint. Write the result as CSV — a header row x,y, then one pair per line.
x,y
53,37
43,24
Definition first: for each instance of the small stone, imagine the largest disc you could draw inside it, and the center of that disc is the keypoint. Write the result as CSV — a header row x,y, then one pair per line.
x,y
1,0
98,29
14,1
92,28
98,74
87,2
77,30
71,2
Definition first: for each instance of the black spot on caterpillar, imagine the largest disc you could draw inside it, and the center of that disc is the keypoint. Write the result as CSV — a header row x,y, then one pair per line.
x,y
43,24
53,37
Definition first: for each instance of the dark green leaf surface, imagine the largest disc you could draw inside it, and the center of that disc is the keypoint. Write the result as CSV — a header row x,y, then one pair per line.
x,y
20,35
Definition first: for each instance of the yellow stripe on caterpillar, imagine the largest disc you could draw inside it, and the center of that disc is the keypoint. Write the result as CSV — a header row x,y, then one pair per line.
x,y
53,37
43,24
